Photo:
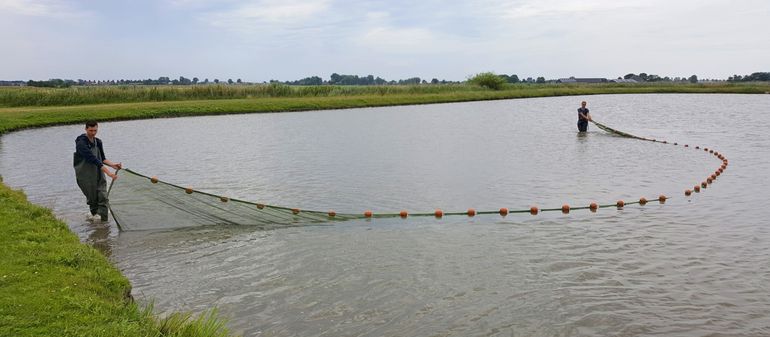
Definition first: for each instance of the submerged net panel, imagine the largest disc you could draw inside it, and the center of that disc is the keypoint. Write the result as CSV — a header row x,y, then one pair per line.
x,y
139,202
613,131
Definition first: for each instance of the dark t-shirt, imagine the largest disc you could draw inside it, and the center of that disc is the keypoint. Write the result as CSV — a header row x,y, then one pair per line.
x,y
582,110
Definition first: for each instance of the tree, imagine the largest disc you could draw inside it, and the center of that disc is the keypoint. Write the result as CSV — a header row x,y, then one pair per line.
x,y
693,79
513,78
335,78
230,81
238,81
489,80
540,80
195,80
434,81
216,80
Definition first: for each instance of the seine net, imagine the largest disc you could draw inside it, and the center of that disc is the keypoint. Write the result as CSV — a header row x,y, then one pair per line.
x,y
138,202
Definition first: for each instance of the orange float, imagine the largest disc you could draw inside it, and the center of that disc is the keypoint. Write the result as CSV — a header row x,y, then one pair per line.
x,y
696,188
704,185
368,214
565,208
188,190
503,211
642,201
403,214
662,198
620,204
295,211
224,199
332,214
471,212
687,192
260,206
593,207
438,213
533,210
154,180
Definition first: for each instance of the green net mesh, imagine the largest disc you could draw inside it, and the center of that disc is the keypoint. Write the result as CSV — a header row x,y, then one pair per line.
x,y
138,202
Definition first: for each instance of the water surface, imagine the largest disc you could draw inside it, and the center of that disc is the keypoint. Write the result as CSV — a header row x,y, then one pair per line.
x,y
694,266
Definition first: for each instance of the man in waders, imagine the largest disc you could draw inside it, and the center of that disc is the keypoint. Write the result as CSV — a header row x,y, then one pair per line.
x,y
90,168
583,117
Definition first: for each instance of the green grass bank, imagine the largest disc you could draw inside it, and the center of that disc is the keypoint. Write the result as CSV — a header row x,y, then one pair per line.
x,y
53,285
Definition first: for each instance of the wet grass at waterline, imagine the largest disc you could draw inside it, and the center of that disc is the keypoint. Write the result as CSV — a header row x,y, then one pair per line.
x,y
53,285
82,95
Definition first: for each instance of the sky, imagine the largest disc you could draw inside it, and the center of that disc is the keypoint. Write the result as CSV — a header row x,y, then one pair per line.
x,y
260,40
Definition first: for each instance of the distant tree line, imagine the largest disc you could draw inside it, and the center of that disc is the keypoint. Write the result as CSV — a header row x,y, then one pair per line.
x,y
764,77
52,83
341,79
59,83
644,77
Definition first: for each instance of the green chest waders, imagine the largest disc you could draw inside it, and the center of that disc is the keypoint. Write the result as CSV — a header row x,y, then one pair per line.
x,y
93,183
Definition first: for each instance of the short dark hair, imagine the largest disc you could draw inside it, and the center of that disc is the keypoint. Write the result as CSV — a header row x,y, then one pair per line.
x,y
90,124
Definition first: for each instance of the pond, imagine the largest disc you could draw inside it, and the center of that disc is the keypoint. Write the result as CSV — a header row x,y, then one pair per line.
x,y
692,266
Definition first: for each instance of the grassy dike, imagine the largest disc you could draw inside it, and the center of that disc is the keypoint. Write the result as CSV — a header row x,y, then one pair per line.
x,y
53,285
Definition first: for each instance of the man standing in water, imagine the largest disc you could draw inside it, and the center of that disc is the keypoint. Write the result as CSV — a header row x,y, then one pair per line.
x,y
583,117
90,168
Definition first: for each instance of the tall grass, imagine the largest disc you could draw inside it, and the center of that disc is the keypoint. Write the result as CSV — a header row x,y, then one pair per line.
x,y
32,96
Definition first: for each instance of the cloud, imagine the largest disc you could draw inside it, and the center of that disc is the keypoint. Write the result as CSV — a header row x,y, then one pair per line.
x,y
407,40
253,16
556,8
39,8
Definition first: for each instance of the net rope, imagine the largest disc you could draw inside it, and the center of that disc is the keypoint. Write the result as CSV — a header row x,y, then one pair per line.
x,y
139,202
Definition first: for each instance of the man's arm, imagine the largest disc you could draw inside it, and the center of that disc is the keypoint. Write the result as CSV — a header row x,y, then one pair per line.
x,y
584,115
106,161
112,164
108,172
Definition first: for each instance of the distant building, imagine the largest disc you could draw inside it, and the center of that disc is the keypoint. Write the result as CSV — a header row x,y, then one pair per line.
x,y
623,80
582,80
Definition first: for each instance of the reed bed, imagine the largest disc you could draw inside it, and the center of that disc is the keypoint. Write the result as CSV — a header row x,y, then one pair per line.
x,y
81,95
84,95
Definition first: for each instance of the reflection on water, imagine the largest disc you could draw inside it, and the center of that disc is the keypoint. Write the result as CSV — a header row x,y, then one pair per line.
x,y
694,266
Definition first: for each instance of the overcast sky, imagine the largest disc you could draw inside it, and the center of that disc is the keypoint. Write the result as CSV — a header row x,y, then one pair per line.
x,y
259,40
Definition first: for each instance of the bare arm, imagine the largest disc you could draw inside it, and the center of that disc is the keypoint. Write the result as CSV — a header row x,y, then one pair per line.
x,y
108,172
109,163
